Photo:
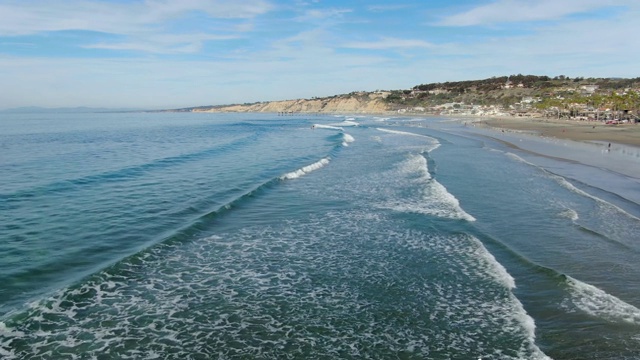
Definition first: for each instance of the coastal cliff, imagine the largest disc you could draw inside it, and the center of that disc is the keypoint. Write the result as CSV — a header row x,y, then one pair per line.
x,y
352,103
515,95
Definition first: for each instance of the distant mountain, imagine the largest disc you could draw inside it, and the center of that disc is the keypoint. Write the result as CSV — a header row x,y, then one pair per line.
x,y
62,110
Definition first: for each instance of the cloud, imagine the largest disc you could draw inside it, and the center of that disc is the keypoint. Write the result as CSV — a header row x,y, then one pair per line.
x,y
31,17
388,43
314,54
385,8
214,8
577,47
164,43
508,11
156,82
145,25
323,14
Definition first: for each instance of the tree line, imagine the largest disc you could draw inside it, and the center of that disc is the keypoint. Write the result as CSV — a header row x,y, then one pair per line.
x,y
627,103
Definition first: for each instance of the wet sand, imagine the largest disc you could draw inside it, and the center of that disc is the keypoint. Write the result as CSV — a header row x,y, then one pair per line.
x,y
589,131
574,150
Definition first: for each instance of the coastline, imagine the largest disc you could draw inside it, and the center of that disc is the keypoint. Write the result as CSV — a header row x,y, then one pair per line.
x,y
574,150
576,130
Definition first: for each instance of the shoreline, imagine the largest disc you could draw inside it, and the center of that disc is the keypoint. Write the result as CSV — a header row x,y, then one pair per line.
x,y
576,130
612,171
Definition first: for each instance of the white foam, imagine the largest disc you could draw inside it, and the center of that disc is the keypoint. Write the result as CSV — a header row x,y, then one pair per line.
x,y
346,139
468,258
598,303
328,127
566,184
404,133
415,164
433,142
445,198
346,123
433,198
570,214
497,271
5,347
518,158
7,354
305,170
229,289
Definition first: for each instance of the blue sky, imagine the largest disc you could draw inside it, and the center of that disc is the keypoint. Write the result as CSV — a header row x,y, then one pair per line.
x,y
179,53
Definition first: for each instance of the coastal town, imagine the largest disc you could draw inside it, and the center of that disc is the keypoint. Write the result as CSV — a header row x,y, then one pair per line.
x,y
570,99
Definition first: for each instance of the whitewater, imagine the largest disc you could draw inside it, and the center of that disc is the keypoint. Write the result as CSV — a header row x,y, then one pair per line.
x,y
195,236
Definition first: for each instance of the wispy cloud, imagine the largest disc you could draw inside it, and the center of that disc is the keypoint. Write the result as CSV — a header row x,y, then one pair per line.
x,y
509,11
323,14
386,43
23,18
145,25
384,8
111,53
164,43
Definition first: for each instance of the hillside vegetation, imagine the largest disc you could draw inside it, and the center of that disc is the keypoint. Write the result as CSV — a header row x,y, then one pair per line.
x,y
529,95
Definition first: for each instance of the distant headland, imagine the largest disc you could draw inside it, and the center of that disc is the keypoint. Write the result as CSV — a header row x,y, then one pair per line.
x,y
605,99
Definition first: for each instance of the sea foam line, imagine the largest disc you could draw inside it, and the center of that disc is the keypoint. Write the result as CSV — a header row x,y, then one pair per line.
x,y
433,141
305,170
432,198
569,186
497,271
405,133
328,127
566,184
348,122
598,303
500,274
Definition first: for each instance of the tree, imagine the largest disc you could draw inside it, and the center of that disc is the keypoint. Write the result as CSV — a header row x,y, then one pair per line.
x,y
550,104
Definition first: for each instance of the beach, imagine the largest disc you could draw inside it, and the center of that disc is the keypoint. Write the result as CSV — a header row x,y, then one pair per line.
x,y
603,156
578,130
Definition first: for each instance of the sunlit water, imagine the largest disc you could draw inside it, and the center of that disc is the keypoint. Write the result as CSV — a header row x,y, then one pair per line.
x,y
197,236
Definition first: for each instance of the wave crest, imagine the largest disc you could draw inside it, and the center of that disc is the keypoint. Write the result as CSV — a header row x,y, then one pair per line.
x,y
305,170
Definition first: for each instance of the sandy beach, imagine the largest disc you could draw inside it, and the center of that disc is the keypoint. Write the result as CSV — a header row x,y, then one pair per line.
x,y
590,131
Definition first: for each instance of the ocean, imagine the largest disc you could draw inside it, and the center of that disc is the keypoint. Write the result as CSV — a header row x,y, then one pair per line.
x,y
257,236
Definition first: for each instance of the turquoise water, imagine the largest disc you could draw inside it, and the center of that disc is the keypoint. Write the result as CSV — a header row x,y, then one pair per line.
x,y
199,236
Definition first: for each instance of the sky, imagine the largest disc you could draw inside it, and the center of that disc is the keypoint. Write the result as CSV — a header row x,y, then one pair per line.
x,y
160,54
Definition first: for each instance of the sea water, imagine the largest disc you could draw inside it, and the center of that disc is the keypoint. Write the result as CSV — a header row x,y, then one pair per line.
x,y
198,236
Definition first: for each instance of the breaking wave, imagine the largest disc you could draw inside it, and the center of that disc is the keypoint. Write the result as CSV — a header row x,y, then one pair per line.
x,y
305,170
598,303
346,139
433,143
428,195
